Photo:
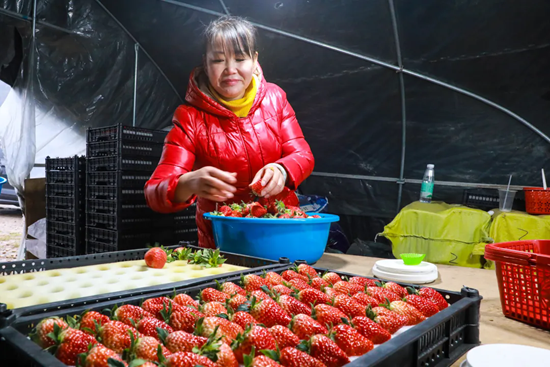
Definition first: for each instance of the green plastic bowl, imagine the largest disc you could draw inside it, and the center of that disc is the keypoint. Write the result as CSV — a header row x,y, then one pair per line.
x,y
412,259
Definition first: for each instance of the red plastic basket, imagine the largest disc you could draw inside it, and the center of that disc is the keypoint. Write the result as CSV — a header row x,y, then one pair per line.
x,y
523,274
537,200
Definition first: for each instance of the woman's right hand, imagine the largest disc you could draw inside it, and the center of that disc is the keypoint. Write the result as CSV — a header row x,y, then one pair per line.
x,y
209,183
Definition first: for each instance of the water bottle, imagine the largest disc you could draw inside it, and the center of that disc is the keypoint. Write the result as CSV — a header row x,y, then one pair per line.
x,y
427,189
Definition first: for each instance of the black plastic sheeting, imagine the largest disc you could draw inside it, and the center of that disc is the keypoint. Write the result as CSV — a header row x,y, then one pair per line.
x,y
349,108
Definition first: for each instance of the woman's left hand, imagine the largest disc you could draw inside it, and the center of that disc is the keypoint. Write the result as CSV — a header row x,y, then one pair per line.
x,y
272,180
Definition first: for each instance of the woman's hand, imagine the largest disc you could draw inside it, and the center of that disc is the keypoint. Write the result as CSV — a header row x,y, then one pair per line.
x,y
208,182
273,180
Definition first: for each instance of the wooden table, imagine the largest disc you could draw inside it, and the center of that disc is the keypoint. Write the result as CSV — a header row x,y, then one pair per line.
x,y
494,328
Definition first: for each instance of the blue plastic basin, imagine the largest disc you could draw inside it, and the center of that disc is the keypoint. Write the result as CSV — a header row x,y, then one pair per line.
x,y
2,182
297,239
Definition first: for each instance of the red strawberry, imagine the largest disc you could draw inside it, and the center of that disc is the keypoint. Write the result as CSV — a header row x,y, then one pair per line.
x,y
389,320
365,300
268,312
412,314
319,283
231,288
305,327
115,335
434,296
272,279
89,319
181,341
284,216
147,348
394,287
347,288
292,357
252,282
183,299
313,296
363,282
259,361
155,305
129,313
381,294
291,274
184,318
225,210
72,343
281,289
148,326
254,336
226,357
424,305
292,306
327,351
284,337
236,301
350,341
242,319
370,330
99,356
156,258
307,270
186,359
226,329
259,294
213,309
44,327
299,284
331,277
256,210
328,315
331,293
213,295
348,305
257,188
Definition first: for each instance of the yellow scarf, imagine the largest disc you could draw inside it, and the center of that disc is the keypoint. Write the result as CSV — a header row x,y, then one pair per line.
x,y
241,106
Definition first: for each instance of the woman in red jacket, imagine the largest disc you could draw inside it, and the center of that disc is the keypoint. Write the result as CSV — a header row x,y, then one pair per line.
x,y
234,130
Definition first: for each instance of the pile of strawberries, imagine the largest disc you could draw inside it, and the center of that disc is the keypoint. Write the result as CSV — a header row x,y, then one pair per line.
x,y
294,319
276,209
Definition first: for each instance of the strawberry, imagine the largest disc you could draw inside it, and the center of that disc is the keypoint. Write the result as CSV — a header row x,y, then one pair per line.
x,y
242,319
326,350
292,357
434,296
394,287
226,329
319,283
370,329
272,279
307,270
148,326
331,277
284,337
292,306
348,305
101,356
226,357
350,341
252,282
212,295
213,309
260,294
156,258
389,320
328,315
156,305
184,318
256,210
183,299
347,288
281,289
129,313
284,216
89,319
236,301
187,359
268,312
45,327
305,327
313,296
147,348
365,300
363,282
257,188
181,341
424,305
331,293
254,336
230,288
146,364
381,294
115,335
225,210
72,342
259,361
412,314
291,274
273,206
299,284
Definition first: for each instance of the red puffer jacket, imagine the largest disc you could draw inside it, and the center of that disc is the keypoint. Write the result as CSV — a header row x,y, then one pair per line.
x,y
207,134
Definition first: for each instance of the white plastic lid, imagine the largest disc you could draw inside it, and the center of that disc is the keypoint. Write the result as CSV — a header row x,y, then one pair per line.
x,y
397,266
431,166
507,355
419,278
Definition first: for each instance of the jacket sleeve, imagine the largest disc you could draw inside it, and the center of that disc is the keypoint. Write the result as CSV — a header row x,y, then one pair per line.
x,y
297,158
178,158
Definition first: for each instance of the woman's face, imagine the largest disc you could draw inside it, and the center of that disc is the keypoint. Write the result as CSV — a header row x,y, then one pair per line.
x,y
229,74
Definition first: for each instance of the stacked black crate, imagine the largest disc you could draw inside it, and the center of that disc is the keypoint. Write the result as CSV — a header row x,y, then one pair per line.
x,y
120,161
65,206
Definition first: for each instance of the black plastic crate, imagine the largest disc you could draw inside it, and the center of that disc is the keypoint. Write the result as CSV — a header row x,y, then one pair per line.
x,y
124,148
134,196
63,203
75,163
63,177
54,251
122,179
61,215
116,222
114,207
125,133
170,236
61,190
62,228
177,220
104,240
121,163
66,242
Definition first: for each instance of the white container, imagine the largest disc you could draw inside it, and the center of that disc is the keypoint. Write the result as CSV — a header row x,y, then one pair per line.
x,y
507,355
397,271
